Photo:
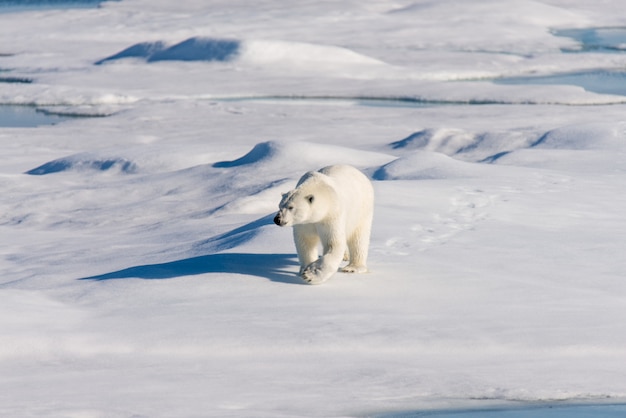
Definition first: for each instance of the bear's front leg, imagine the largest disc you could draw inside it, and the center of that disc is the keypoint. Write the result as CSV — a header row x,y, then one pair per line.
x,y
323,268
307,240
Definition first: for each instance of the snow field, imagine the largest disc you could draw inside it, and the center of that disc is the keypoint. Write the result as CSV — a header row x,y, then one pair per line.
x,y
141,274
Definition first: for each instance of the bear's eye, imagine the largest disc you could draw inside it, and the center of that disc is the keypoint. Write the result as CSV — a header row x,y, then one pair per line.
x,y
290,208
310,198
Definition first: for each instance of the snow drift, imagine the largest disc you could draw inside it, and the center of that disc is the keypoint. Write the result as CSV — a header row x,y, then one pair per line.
x,y
193,49
465,145
425,165
290,156
252,52
85,161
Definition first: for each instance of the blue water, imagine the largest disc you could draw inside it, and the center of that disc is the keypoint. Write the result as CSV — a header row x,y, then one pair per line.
x,y
24,5
596,39
610,40
539,411
26,117
597,81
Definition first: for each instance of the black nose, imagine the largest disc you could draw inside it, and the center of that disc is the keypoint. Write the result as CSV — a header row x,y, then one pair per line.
x,y
277,219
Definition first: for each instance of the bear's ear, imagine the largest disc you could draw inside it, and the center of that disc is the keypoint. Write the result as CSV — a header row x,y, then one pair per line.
x,y
310,198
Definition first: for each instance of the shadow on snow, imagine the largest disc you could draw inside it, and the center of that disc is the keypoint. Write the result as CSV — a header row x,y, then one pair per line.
x,y
192,49
274,267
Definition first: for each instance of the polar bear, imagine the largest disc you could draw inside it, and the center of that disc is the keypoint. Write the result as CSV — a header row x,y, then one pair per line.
x,y
332,207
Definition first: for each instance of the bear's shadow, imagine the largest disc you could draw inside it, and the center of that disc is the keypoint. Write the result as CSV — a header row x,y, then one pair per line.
x,y
274,267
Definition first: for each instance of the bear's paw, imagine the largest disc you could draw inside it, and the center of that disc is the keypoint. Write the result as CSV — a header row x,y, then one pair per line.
x,y
353,269
314,273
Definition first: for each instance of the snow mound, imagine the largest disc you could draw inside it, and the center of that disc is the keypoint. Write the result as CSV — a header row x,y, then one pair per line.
x,y
493,146
559,148
253,183
253,52
281,156
467,146
192,49
426,165
581,137
198,49
141,50
265,52
445,140
82,162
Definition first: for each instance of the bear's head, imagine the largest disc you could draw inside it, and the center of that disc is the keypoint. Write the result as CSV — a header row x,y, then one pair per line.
x,y
313,200
295,208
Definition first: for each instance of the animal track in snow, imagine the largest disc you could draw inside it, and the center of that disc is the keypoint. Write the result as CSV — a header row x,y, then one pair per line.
x,y
466,209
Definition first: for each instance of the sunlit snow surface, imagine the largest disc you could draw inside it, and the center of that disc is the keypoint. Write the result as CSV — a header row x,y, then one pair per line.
x,y
141,274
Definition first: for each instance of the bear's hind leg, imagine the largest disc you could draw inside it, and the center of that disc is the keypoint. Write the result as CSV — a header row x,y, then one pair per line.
x,y
358,247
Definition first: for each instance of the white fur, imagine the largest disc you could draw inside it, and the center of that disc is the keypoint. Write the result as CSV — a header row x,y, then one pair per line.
x,y
331,208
